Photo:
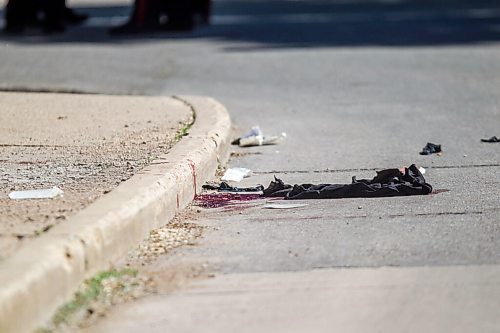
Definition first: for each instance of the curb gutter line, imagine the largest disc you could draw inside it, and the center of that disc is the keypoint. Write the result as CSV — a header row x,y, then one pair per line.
x,y
45,273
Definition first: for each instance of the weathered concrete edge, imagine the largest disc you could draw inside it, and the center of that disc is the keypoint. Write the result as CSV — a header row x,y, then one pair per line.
x,y
34,286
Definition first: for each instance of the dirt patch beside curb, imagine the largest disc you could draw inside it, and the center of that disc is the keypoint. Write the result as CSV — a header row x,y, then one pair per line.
x,y
86,145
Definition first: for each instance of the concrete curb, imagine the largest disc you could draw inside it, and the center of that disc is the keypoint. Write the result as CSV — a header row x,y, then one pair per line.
x,y
45,273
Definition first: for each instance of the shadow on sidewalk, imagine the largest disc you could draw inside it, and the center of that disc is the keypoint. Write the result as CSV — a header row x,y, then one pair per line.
x,y
313,23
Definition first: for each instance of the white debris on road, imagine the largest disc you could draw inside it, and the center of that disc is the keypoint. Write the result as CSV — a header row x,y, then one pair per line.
x,y
255,137
283,206
236,174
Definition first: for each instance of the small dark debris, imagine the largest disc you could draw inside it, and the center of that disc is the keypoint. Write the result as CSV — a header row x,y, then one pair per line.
x,y
491,140
440,190
431,148
47,228
246,153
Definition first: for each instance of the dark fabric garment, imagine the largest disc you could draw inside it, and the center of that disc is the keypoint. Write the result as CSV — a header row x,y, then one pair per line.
x,y
492,139
430,148
277,188
225,187
387,183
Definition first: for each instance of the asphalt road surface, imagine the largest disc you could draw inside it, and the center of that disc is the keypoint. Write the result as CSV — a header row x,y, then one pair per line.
x,y
358,86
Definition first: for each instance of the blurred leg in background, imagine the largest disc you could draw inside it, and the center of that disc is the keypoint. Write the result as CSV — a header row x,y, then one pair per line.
x,y
52,15
19,14
203,8
53,12
180,14
145,17
164,15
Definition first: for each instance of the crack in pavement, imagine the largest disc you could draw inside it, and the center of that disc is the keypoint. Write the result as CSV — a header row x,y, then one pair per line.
x,y
438,214
22,89
471,166
320,217
35,145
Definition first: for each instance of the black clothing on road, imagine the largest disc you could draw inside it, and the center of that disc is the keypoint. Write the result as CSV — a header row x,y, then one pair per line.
x,y
387,183
225,187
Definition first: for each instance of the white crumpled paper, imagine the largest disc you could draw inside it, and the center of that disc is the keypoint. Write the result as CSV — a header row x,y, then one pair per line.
x,y
255,137
236,174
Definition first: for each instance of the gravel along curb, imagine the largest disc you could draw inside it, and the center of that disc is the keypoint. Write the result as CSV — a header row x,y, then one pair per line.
x,y
45,273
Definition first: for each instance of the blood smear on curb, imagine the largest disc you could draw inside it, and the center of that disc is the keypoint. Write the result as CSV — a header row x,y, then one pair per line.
x,y
283,206
46,193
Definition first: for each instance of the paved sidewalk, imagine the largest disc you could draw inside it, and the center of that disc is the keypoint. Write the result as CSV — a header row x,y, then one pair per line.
x,y
84,144
387,299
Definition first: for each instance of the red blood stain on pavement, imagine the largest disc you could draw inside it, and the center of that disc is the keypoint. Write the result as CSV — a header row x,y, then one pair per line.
x,y
216,200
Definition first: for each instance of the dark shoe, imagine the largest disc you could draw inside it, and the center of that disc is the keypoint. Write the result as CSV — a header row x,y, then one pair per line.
x,y
180,16
179,26
14,28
